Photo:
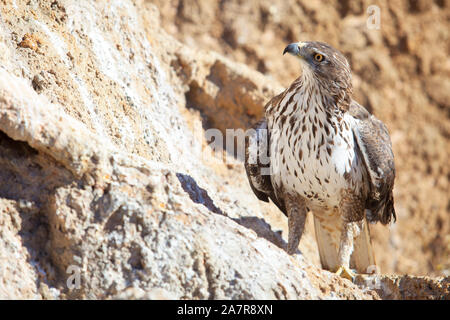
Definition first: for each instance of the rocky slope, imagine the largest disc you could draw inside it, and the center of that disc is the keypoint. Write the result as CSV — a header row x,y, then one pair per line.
x,y
401,73
108,187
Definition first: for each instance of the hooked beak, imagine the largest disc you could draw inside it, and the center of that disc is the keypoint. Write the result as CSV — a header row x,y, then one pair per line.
x,y
294,48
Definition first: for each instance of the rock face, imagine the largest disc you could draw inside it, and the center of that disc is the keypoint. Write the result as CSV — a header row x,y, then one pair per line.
x,y
401,73
108,186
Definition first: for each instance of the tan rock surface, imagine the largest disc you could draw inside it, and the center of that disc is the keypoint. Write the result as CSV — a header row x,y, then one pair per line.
x,y
106,173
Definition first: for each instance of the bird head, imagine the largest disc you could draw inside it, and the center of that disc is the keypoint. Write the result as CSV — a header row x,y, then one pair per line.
x,y
323,64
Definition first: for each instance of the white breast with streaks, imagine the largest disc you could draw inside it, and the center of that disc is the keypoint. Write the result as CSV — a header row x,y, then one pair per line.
x,y
308,159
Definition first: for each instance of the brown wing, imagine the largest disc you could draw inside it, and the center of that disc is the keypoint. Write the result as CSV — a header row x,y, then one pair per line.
x,y
374,144
257,164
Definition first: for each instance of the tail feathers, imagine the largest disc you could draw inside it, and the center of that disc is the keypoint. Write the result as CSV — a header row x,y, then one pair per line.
x,y
327,245
362,258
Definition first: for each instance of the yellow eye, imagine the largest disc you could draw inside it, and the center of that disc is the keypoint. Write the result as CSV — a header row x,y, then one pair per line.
x,y
318,57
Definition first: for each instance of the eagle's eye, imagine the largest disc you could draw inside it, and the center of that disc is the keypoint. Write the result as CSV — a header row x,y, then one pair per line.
x,y
318,57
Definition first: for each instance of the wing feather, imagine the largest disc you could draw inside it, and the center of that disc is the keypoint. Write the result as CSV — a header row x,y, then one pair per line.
x,y
375,146
257,164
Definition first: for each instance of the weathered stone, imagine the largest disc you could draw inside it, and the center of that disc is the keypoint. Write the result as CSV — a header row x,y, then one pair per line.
x,y
108,187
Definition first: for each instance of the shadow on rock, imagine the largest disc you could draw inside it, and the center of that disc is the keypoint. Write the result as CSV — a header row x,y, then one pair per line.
x,y
263,230
197,194
259,225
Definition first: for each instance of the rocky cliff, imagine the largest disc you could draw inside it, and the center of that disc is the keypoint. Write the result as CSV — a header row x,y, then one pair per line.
x,y
109,187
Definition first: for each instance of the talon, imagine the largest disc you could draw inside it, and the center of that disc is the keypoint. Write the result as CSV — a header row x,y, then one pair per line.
x,y
346,273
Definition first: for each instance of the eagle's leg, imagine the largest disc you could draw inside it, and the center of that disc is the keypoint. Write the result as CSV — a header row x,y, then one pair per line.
x,y
350,231
296,211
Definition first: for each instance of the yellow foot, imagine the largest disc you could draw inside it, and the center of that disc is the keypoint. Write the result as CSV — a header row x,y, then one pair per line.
x,y
345,272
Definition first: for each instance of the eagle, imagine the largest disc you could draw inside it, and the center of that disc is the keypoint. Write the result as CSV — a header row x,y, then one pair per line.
x,y
317,150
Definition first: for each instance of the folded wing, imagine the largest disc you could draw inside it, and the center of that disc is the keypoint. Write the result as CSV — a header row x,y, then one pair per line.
x,y
375,146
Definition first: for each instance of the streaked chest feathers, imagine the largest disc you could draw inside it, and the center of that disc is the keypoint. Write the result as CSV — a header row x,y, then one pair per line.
x,y
312,149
